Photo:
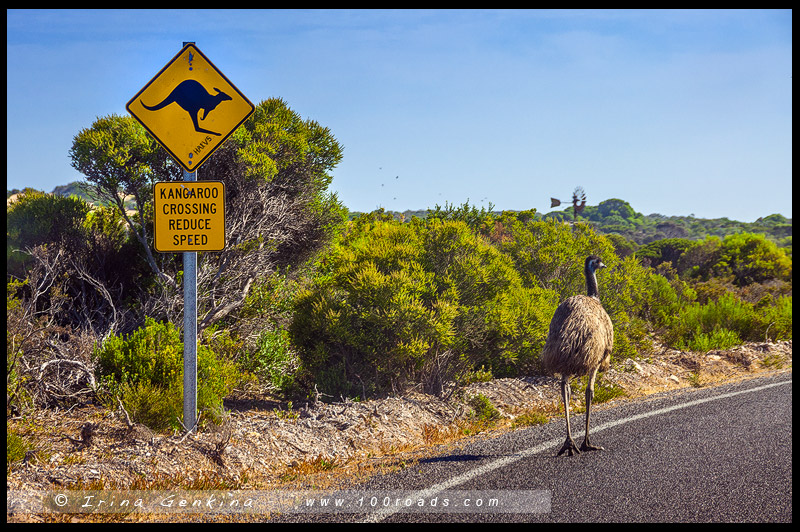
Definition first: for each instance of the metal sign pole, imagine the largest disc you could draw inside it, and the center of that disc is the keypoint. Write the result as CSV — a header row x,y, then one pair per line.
x,y
189,328
189,331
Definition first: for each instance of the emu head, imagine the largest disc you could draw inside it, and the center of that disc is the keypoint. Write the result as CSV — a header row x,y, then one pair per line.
x,y
593,263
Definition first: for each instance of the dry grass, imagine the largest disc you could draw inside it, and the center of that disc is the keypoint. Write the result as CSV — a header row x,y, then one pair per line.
x,y
329,446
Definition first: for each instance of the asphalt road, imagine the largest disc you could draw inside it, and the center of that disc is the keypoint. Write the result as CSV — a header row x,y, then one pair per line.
x,y
721,454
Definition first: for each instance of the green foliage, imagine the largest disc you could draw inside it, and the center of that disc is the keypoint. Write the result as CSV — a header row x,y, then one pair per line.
x,y
613,211
483,410
727,275
551,254
23,338
116,154
271,298
372,313
477,220
276,142
776,319
16,447
36,218
615,216
394,304
530,418
157,407
606,391
666,250
273,361
747,258
108,224
728,321
751,259
86,250
666,295
718,338
622,246
145,369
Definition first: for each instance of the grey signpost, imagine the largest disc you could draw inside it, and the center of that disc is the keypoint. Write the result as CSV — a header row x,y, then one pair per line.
x,y
189,328
189,331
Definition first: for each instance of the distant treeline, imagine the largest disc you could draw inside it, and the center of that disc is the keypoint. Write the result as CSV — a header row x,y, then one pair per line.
x,y
612,216
616,216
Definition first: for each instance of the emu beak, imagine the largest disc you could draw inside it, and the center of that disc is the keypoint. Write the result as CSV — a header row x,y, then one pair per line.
x,y
600,265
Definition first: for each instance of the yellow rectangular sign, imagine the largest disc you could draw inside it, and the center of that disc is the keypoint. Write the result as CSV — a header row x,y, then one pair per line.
x,y
189,216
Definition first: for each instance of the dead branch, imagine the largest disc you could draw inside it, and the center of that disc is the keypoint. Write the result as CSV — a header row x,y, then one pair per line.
x,y
128,421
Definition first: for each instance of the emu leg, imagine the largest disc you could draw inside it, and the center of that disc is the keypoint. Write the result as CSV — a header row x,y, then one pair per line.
x,y
569,445
586,446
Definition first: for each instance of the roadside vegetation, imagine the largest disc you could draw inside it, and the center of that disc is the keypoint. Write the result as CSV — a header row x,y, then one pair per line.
x,y
309,301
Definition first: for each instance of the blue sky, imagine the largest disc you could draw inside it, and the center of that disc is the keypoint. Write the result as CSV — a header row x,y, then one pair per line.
x,y
676,112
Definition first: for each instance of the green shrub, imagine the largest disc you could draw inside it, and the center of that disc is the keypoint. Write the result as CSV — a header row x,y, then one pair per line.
x,y
530,418
270,298
664,250
368,319
718,338
16,447
606,391
145,369
398,304
751,258
483,410
157,407
729,321
776,319
36,218
394,305
745,257
273,361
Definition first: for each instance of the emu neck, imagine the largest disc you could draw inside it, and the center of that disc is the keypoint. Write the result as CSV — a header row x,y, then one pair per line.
x,y
591,284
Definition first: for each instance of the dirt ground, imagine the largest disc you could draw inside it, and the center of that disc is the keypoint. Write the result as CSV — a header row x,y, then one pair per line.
x,y
265,444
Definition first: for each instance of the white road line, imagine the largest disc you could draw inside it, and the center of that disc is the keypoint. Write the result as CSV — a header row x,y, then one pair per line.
x,y
383,513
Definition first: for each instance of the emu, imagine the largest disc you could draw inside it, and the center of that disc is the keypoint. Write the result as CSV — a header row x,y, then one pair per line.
x,y
579,343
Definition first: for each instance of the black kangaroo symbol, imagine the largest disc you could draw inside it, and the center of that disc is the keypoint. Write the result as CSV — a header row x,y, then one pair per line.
x,y
192,97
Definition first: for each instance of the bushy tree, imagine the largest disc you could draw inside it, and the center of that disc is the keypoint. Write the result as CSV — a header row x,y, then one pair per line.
x,y
751,258
120,159
276,169
666,250
745,257
615,207
36,219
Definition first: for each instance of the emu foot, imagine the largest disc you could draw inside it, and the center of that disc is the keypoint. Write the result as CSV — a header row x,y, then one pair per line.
x,y
569,447
586,446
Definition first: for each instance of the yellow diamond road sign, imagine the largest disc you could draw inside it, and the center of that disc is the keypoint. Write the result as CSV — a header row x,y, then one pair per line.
x,y
190,107
189,216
